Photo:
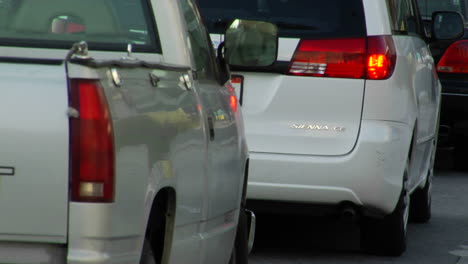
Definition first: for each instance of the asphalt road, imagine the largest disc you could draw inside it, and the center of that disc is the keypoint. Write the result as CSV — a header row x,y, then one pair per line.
x,y
301,240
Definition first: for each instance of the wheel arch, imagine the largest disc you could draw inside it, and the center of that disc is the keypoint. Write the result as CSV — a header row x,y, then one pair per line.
x,y
161,223
245,183
420,182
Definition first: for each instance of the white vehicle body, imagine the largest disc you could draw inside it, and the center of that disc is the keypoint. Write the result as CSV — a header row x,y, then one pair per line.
x,y
339,141
178,143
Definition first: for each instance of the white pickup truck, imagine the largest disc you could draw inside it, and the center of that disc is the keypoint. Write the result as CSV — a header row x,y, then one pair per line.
x,y
126,148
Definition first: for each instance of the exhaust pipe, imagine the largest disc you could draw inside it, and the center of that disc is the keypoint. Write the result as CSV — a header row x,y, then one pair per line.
x,y
349,214
445,130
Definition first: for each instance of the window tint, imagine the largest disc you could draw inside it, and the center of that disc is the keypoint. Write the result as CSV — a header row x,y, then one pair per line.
x,y
427,7
403,16
294,18
198,41
104,24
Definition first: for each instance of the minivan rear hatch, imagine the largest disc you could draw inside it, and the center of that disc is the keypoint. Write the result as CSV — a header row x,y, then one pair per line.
x,y
310,100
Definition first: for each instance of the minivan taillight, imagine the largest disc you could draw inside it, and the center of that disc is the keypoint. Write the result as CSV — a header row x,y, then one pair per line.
x,y
357,58
92,144
455,58
339,58
381,57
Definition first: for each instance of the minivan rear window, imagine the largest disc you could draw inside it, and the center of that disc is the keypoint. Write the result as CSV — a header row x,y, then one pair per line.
x,y
294,18
104,24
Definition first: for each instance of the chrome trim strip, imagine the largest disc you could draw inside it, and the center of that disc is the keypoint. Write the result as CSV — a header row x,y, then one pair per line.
x,y
455,94
253,223
425,139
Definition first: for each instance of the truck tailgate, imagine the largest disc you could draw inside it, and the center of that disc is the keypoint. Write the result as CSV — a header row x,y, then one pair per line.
x,y
33,153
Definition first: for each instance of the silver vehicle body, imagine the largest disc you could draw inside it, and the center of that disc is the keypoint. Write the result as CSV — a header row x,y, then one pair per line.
x,y
162,144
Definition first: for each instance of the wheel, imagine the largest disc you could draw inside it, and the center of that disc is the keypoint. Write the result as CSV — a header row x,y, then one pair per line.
x,y
421,200
147,256
239,253
387,236
155,235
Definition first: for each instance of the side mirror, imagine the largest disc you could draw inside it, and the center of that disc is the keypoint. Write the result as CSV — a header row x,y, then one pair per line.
x,y
251,43
224,72
447,25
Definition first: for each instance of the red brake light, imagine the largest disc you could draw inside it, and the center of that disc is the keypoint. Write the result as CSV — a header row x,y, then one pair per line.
x,y
92,144
357,58
455,58
233,103
338,58
236,80
381,57
75,28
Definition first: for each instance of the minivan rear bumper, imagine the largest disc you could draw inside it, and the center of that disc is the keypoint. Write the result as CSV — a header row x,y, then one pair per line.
x,y
369,177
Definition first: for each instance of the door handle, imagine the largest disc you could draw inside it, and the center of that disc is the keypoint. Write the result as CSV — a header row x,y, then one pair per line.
x,y
211,128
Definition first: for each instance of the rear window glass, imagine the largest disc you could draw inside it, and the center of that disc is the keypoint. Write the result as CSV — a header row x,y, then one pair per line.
x,y
104,24
427,7
294,18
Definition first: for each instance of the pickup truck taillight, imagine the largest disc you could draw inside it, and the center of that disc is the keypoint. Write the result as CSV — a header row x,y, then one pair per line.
x,y
92,144
371,58
455,58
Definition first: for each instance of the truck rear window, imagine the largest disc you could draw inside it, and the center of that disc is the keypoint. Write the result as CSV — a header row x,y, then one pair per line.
x,y
104,24
294,18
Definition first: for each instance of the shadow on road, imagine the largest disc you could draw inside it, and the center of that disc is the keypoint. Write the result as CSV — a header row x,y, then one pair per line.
x,y
285,239
305,233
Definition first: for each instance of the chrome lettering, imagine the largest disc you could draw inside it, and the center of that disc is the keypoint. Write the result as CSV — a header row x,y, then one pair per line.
x,y
318,127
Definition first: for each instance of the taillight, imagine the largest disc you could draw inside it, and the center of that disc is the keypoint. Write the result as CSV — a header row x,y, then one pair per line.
x,y
236,80
92,144
233,103
455,58
339,58
357,58
381,57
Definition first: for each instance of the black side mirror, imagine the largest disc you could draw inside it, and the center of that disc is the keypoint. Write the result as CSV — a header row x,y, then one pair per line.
x,y
224,72
447,25
251,43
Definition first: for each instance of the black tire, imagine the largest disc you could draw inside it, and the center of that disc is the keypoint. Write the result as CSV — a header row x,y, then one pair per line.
x,y
240,250
147,256
155,233
421,200
387,236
